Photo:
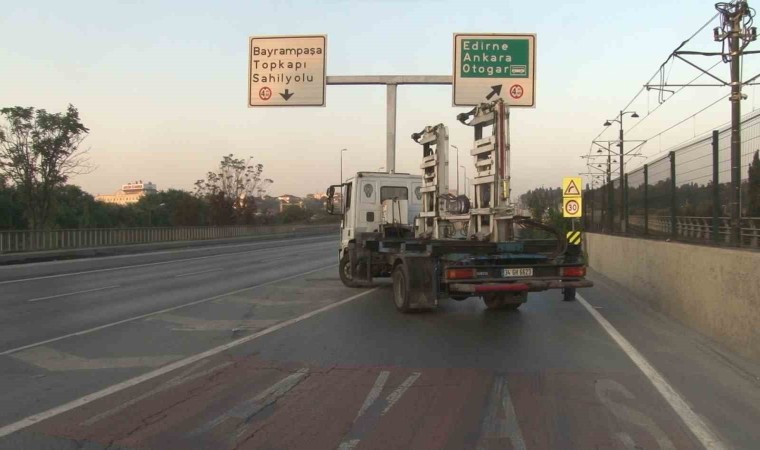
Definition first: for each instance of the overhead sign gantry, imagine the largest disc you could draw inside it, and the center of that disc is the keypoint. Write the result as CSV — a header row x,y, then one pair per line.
x,y
287,71
491,66
290,71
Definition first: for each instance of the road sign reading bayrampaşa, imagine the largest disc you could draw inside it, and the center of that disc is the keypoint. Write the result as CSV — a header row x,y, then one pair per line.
x,y
287,71
489,66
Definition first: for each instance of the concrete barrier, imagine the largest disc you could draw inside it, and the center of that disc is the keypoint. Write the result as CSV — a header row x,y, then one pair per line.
x,y
714,290
88,252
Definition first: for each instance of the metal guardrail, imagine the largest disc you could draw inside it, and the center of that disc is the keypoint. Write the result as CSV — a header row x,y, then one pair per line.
x,y
28,241
700,228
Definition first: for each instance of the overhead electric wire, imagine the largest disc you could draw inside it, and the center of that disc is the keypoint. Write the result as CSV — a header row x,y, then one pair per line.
x,y
659,69
722,97
638,122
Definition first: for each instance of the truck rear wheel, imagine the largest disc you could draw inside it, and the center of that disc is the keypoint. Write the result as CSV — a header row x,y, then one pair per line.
x,y
344,269
401,289
568,294
504,300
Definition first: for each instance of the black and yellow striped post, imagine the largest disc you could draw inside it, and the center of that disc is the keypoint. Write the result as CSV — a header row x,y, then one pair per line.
x,y
574,237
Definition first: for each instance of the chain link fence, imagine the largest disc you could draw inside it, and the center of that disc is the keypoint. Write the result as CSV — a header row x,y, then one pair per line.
x,y
685,194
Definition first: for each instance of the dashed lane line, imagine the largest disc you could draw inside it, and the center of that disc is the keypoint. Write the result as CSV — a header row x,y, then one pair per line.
x,y
36,418
49,297
165,310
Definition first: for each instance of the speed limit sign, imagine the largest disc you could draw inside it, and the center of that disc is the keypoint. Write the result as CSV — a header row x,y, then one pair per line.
x,y
572,207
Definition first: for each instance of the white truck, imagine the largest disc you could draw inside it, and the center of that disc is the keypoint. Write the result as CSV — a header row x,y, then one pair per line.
x,y
435,244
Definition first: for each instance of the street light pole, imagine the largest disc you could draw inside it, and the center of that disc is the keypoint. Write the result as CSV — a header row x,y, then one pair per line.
x,y
465,179
342,198
341,165
457,149
619,120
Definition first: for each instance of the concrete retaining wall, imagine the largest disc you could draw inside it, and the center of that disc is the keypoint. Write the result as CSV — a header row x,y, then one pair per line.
x,y
714,290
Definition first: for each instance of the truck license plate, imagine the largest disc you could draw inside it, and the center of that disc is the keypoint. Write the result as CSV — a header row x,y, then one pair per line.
x,y
520,272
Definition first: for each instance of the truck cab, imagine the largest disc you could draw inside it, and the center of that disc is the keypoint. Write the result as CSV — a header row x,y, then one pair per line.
x,y
372,200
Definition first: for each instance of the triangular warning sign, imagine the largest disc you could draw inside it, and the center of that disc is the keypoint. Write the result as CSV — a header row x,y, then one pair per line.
x,y
572,189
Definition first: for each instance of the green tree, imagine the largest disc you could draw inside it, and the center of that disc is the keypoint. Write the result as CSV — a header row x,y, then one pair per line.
x,y
11,210
293,214
38,153
232,189
172,207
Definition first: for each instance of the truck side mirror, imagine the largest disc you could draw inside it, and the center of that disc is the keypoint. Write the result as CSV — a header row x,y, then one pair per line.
x,y
330,200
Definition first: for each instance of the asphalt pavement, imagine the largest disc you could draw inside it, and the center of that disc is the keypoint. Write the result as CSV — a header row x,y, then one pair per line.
x,y
260,346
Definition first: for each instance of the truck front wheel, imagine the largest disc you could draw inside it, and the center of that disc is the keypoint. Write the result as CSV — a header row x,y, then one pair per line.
x,y
345,271
401,289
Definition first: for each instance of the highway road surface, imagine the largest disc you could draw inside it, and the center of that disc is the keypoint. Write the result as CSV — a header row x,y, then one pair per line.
x,y
259,346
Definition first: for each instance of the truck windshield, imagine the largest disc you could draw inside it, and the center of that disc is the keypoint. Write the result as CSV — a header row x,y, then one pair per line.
x,y
397,192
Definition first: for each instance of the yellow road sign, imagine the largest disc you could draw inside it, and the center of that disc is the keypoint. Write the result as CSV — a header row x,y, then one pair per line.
x,y
572,207
574,237
571,186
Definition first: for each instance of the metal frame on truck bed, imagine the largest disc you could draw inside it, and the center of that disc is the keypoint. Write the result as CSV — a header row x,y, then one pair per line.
x,y
435,244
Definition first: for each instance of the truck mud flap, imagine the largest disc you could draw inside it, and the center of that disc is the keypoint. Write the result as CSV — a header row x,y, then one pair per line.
x,y
421,276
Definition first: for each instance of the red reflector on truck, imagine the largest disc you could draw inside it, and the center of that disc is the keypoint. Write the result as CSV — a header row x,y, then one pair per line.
x,y
459,274
575,272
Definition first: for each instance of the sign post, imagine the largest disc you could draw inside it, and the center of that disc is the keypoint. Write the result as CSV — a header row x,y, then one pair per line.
x,y
572,197
491,66
287,71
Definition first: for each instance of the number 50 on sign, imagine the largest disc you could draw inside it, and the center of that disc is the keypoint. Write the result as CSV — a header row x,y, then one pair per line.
x,y
572,207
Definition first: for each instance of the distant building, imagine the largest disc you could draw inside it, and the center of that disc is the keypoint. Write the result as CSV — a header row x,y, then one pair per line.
x,y
129,193
287,200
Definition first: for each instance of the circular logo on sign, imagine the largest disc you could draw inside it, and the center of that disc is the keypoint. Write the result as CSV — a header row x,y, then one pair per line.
x,y
516,91
265,93
571,207
368,190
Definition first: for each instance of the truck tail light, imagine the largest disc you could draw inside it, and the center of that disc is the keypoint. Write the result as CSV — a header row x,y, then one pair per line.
x,y
459,274
574,272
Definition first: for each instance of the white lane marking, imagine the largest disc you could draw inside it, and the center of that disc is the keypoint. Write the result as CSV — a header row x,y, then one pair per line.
x,y
399,391
625,413
500,422
53,360
72,293
173,251
142,316
35,418
252,406
627,441
362,424
198,273
185,323
349,445
185,377
374,393
698,427
159,263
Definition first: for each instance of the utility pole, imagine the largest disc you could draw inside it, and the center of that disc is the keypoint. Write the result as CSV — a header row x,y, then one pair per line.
x,y
732,20
610,199
622,175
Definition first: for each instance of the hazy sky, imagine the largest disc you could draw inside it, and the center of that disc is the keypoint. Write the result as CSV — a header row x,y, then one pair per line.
x,y
163,85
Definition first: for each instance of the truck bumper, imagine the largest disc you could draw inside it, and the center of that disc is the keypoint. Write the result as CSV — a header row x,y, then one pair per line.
x,y
529,286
